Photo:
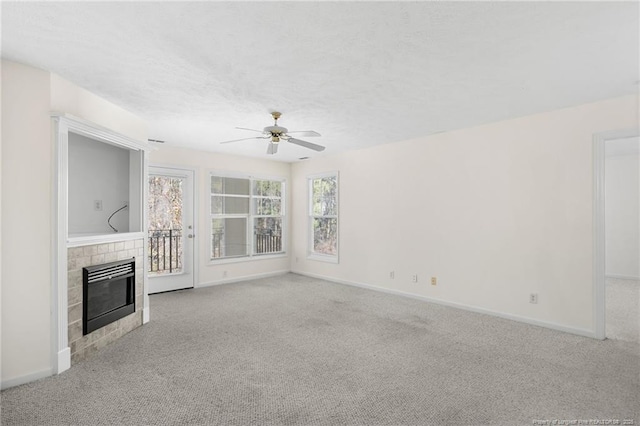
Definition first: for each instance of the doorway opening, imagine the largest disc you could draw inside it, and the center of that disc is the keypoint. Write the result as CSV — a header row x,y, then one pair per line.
x,y
617,235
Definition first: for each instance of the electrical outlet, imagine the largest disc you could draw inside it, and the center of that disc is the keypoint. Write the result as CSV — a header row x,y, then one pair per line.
x,y
533,298
434,280
97,205
392,274
414,278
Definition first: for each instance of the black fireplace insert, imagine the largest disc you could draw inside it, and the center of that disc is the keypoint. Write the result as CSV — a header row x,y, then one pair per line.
x,y
109,293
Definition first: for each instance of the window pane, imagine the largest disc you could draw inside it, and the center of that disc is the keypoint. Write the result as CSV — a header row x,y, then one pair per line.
x,y
229,205
325,186
267,206
268,235
216,204
165,202
229,237
325,235
324,201
216,185
236,186
234,205
165,225
267,188
325,206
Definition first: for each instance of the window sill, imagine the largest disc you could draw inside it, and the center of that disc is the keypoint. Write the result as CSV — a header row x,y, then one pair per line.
x,y
323,258
224,261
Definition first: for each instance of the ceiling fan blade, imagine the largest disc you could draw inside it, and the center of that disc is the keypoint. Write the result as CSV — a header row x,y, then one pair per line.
x,y
306,144
244,139
306,133
272,149
253,130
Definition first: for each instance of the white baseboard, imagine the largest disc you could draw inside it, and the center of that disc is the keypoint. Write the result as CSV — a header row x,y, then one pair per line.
x,y
16,381
623,277
64,360
145,315
526,320
243,278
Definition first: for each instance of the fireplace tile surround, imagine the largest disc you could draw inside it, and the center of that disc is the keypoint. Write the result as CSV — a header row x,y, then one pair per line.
x,y
97,254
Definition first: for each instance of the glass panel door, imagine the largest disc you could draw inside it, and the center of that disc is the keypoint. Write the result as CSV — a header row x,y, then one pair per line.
x,y
171,232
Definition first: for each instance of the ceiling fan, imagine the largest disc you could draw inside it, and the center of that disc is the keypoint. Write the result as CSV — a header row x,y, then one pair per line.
x,y
277,133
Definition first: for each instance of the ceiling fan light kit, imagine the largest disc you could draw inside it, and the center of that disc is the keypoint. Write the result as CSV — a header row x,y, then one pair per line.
x,y
277,133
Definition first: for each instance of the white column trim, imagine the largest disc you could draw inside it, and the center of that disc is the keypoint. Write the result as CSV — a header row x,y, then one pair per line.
x,y
146,310
61,352
599,306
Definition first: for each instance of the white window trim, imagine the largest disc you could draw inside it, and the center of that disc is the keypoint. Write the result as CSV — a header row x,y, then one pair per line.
x,y
250,256
311,255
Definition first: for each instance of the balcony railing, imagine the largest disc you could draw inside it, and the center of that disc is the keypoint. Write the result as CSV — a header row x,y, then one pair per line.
x,y
165,248
267,243
263,243
165,251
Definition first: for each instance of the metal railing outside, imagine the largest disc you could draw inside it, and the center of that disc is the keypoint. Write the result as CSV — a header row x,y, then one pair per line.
x,y
268,243
264,243
165,251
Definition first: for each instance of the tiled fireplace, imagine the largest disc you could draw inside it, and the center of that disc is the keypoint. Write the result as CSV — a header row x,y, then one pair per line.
x,y
91,255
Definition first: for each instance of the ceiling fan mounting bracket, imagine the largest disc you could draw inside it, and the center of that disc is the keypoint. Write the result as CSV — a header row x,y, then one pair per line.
x,y
276,115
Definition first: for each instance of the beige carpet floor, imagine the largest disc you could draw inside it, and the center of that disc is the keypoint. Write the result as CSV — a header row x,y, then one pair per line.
x,y
292,350
623,309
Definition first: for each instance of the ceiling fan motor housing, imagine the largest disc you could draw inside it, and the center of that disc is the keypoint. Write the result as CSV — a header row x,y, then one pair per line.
x,y
276,132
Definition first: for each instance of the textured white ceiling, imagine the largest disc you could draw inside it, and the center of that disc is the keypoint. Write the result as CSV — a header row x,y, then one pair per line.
x,y
360,73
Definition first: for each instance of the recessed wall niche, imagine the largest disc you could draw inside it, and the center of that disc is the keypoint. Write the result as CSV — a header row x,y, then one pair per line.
x,y
103,178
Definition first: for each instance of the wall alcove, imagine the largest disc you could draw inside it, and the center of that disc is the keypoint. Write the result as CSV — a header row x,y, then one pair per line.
x,y
104,188
99,173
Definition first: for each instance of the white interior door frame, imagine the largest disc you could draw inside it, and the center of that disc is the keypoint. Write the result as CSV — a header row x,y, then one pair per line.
x,y
193,203
599,299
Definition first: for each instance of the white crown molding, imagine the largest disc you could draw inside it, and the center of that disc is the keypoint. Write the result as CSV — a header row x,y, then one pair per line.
x,y
95,131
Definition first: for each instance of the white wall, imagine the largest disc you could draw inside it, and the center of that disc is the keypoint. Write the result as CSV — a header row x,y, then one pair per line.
x,y
97,171
495,212
68,98
622,213
203,163
26,222
28,97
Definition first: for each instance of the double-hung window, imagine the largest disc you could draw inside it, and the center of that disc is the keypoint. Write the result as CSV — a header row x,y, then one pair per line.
x,y
323,217
268,214
247,216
